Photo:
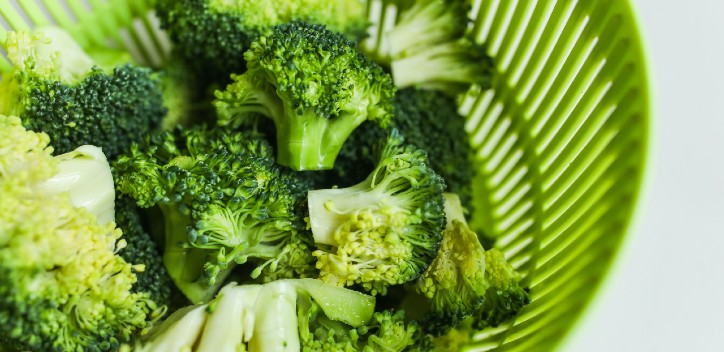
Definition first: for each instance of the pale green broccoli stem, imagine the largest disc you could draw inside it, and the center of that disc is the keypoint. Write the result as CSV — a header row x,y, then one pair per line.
x,y
425,23
441,63
312,142
185,264
453,209
276,327
232,310
86,176
178,332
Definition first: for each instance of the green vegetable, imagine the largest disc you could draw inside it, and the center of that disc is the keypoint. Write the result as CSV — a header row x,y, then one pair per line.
x,y
322,92
57,88
223,200
63,287
429,48
269,317
212,35
385,230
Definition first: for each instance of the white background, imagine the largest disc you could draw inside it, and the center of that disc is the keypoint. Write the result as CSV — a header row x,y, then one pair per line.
x,y
666,292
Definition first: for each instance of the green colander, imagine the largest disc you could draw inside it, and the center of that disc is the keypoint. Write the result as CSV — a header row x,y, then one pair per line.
x,y
560,139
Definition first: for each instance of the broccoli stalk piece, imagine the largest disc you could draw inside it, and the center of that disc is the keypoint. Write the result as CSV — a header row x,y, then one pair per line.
x,y
223,200
270,317
429,48
325,89
385,230
64,286
212,35
57,88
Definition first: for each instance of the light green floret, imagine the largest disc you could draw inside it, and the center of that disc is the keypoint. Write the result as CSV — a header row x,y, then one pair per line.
x,y
385,230
314,85
63,287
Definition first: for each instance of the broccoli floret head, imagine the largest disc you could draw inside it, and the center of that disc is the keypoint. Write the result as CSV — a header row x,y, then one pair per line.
x,y
223,199
56,88
314,85
429,48
212,35
64,287
183,96
385,230
505,297
455,283
429,119
141,249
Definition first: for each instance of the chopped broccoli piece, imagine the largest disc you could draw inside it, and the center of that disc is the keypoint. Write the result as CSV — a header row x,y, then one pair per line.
x,y
455,283
272,317
212,35
429,48
325,89
64,288
183,96
505,297
223,199
142,250
56,88
385,230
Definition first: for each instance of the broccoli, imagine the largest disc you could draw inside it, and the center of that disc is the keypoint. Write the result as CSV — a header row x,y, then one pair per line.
x,y
385,230
428,119
270,317
212,35
505,297
142,250
223,200
455,283
73,99
429,48
323,90
63,287
183,96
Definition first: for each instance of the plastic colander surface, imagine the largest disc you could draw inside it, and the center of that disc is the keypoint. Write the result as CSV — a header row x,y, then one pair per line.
x,y
560,139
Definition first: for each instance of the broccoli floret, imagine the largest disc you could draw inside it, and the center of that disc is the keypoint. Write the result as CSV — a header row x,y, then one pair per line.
x,y
322,92
212,35
386,331
63,286
142,250
505,297
454,341
56,88
183,96
223,199
385,230
270,317
429,119
429,48
455,283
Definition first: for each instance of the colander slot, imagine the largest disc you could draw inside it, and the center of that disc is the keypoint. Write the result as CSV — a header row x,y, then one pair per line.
x,y
59,11
543,52
13,19
474,120
484,20
499,26
559,93
514,35
36,12
529,42
130,45
144,32
164,42
507,165
481,135
503,148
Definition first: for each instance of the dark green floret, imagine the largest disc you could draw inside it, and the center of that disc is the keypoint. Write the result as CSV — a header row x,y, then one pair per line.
x,y
385,230
314,85
223,199
212,35
73,99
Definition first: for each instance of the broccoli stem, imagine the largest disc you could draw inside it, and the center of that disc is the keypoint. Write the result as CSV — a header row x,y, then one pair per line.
x,y
185,264
312,142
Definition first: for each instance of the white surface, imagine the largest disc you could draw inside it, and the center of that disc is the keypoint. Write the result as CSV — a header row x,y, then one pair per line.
x,y
666,292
